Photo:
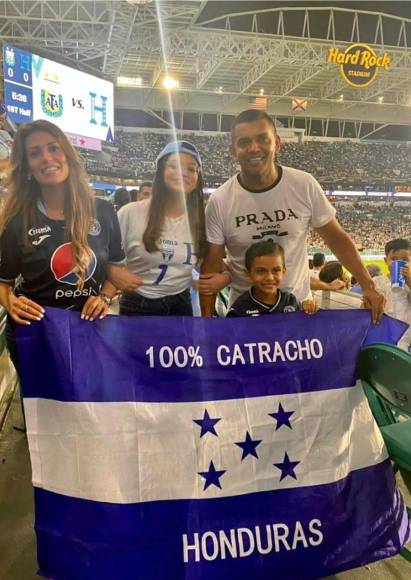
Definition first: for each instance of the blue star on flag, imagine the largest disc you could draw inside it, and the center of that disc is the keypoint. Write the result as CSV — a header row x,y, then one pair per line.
x,y
282,417
207,424
249,446
287,467
212,476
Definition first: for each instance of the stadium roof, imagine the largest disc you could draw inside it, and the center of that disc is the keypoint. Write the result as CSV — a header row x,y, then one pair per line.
x,y
225,53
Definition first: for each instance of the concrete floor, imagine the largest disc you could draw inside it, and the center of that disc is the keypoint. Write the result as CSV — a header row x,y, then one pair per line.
x,y
17,539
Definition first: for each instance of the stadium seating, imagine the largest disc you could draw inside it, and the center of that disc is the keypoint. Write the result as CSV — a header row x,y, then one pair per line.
x,y
385,372
342,164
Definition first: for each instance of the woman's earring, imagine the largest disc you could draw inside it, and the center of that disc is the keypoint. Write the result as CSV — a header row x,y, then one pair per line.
x,y
29,176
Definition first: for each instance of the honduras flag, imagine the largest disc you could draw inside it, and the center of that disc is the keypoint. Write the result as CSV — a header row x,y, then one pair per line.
x,y
189,449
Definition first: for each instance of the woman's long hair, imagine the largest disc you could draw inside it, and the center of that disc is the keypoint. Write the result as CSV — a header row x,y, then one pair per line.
x,y
157,213
23,193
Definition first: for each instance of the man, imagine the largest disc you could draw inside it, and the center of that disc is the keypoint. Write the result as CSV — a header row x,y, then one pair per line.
x,y
267,201
145,190
318,263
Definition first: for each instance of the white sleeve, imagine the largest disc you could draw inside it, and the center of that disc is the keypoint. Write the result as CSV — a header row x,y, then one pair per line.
x,y
123,215
214,223
322,210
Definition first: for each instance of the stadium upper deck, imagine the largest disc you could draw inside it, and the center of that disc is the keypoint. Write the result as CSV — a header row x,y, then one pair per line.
x,y
222,54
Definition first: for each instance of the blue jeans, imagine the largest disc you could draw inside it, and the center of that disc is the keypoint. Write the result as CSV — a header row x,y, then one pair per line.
x,y
132,304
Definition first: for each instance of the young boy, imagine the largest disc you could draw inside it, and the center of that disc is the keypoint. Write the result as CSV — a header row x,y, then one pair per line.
x,y
398,300
265,267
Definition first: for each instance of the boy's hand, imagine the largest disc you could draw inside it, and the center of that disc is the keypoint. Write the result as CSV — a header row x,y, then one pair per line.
x,y
309,306
406,272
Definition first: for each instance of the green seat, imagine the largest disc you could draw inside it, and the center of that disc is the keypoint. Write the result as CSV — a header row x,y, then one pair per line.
x,y
385,372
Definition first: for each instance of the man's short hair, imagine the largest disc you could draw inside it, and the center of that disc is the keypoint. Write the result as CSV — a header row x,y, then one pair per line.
x,y
331,271
249,116
318,260
145,184
397,244
373,270
266,248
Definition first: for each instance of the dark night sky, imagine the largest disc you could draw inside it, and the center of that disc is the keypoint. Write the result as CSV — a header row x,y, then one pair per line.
x,y
293,21
216,8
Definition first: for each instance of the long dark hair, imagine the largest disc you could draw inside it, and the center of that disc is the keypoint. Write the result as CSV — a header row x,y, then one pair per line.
x,y
157,213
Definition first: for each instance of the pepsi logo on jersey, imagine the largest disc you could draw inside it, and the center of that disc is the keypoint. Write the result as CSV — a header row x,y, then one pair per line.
x,y
61,264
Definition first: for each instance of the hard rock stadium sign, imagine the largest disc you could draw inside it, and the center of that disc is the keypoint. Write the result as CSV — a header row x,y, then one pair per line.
x,y
359,64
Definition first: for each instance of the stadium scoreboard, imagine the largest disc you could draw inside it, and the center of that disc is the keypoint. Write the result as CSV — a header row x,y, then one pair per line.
x,y
39,88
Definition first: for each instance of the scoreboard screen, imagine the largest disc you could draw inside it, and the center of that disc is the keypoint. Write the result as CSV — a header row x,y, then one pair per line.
x,y
39,88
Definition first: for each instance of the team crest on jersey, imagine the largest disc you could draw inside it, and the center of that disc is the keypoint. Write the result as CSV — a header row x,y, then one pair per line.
x,y
95,228
167,255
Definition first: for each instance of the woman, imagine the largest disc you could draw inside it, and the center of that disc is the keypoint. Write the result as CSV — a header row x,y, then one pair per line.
x,y
164,237
56,238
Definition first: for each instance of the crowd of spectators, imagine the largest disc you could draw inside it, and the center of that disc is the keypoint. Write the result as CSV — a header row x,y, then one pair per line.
x,y
336,165
370,224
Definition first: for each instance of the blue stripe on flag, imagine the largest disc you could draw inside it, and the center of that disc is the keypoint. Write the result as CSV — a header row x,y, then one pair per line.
x,y
47,349
362,519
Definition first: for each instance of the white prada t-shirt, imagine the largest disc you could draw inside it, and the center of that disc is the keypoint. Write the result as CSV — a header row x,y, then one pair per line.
x,y
285,213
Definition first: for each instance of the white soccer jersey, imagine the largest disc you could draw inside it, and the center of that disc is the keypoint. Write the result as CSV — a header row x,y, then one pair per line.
x,y
238,218
397,305
168,271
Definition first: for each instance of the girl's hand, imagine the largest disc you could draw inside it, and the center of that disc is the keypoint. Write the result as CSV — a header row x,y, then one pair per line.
x,y
309,306
23,310
210,284
95,307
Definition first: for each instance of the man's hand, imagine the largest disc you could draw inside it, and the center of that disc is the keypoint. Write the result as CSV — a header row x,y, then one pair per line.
x,y
375,301
122,278
211,284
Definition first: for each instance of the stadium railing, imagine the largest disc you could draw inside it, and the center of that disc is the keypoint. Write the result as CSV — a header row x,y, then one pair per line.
x,y
330,299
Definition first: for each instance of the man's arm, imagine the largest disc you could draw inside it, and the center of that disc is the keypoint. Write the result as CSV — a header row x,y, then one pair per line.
x,y
212,263
343,247
317,284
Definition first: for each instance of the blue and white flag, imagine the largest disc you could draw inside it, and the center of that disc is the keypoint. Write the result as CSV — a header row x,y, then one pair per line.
x,y
189,449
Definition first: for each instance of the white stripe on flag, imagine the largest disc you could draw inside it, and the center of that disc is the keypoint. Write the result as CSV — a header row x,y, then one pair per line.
x,y
134,452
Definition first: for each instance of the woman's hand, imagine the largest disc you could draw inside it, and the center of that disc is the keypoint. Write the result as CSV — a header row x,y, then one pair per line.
x,y
122,278
309,306
22,309
95,307
210,284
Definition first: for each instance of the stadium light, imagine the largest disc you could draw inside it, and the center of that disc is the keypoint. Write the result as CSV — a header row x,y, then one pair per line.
x,y
129,81
380,99
261,91
170,83
219,90
341,98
